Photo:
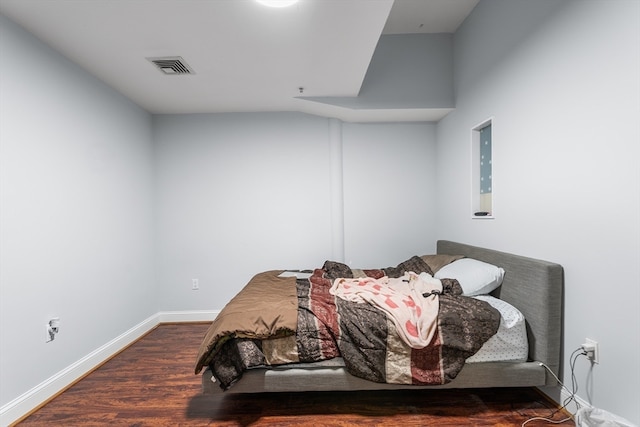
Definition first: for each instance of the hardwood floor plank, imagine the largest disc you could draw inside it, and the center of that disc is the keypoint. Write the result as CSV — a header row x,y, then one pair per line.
x,y
151,383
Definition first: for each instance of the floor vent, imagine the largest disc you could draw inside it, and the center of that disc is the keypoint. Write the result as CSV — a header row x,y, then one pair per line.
x,y
173,65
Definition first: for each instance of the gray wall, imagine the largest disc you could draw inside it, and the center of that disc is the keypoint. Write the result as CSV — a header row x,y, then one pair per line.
x,y
561,81
389,192
76,216
237,194
242,193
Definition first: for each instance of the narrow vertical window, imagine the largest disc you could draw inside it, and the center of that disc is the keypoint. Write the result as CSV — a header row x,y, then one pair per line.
x,y
482,170
485,169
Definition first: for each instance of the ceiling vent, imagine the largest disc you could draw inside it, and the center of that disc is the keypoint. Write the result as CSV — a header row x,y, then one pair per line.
x,y
173,65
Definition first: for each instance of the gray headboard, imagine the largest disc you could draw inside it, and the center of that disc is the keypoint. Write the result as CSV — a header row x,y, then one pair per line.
x,y
535,287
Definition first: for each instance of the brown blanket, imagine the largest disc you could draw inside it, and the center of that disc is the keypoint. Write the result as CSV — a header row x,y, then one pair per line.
x,y
267,307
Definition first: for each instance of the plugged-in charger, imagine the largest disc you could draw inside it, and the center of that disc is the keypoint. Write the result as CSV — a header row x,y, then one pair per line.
x,y
590,347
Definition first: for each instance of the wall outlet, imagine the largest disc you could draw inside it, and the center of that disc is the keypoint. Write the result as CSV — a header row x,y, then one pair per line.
x,y
195,284
592,349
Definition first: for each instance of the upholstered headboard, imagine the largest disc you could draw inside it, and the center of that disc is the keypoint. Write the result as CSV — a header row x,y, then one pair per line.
x,y
535,287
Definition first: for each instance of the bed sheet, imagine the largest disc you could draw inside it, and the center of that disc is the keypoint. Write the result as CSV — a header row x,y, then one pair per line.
x,y
510,343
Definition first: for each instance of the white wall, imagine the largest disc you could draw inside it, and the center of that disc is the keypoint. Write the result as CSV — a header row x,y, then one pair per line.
x,y
75,212
389,192
242,193
237,194
561,81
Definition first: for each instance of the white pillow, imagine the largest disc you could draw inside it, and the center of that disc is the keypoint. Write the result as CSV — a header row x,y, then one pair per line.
x,y
475,277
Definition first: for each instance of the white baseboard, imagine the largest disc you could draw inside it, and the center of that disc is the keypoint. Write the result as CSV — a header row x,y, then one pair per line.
x,y
27,402
577,403
188,316
560,395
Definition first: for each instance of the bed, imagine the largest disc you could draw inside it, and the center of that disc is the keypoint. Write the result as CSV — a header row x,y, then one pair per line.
x,y
533,287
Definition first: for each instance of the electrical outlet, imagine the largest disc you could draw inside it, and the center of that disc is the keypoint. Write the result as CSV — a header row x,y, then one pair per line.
x,y
592,349
195,284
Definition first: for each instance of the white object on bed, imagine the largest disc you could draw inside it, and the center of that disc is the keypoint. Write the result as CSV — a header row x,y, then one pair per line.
x,y
296,274
475,277
510,343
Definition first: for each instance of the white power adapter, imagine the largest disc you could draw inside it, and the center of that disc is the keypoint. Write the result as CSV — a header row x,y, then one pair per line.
x,y
52,328
590,347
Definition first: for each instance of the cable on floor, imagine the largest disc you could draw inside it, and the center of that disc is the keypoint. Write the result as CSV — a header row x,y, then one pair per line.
x,y
572,393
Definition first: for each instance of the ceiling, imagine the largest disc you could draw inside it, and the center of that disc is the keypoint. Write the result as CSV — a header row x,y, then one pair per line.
x,y
244,56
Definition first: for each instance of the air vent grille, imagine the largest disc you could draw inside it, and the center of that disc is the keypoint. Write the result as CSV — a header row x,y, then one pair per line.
x,y
173,65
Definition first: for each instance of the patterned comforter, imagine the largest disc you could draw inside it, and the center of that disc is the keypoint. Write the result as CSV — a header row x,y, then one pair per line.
x,y
327,326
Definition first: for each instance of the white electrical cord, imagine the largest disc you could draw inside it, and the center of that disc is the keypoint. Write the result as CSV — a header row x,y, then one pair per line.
x,y
572,393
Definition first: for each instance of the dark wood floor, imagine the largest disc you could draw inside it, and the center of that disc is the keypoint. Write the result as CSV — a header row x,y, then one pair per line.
x,y
152,383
